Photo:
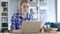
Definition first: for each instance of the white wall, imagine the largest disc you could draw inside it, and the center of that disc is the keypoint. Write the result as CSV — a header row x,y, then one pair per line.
x,y
51,10
12,9
58,10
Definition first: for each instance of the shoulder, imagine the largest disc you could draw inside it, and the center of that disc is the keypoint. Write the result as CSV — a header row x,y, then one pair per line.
x,y
16,14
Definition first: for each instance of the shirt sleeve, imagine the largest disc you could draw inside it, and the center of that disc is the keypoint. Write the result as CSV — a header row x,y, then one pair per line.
x,y
13,22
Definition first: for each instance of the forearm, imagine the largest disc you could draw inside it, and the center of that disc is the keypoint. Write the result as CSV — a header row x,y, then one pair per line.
x,y
16,31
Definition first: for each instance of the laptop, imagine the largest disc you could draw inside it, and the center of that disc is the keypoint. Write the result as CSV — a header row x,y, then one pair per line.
x,y
31,27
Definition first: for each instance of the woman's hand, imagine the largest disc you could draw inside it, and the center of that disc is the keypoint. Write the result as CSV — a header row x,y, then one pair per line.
x,y
16,31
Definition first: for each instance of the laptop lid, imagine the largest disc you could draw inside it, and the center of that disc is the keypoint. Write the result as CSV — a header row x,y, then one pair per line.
x,y
28,26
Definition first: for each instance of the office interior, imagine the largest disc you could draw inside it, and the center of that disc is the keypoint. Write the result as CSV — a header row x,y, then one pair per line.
x,y
45,11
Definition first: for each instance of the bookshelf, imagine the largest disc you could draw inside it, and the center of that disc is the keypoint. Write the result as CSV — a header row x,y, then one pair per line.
x,y
4,16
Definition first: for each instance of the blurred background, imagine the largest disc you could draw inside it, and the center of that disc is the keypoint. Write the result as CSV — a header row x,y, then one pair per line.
x,y
47,11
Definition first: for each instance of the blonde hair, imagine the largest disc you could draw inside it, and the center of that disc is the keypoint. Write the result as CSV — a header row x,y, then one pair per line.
x,y
20,3
24,1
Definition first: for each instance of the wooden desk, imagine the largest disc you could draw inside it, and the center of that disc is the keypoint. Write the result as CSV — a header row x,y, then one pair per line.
x,y
36,33
32,33
51,32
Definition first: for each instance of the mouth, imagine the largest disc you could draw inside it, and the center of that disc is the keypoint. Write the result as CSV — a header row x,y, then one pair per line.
x,y
25,10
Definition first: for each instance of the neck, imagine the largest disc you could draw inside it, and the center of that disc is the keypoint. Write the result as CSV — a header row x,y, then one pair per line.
x,y
24,15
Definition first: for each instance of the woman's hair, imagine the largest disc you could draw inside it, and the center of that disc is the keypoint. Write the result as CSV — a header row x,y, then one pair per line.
x,y
24,1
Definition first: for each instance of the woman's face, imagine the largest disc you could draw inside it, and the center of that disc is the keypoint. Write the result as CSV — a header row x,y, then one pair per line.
x,y
24,7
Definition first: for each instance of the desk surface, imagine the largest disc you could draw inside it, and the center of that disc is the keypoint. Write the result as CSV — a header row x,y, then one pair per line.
x,y
37,33
30,33
52,32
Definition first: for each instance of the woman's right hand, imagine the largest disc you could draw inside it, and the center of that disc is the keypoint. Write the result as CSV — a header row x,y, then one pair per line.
x,y
16,31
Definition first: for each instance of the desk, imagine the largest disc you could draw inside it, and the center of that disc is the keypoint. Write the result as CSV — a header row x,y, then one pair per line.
x,y
32,33
51,32
37,33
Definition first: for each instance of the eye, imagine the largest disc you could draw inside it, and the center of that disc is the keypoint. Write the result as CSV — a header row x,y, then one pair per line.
x,y
27,6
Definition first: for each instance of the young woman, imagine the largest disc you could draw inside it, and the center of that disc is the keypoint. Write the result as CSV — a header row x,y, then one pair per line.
x,y
23,15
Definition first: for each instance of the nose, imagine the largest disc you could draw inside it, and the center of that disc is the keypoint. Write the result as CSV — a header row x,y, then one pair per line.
x,y
26,8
